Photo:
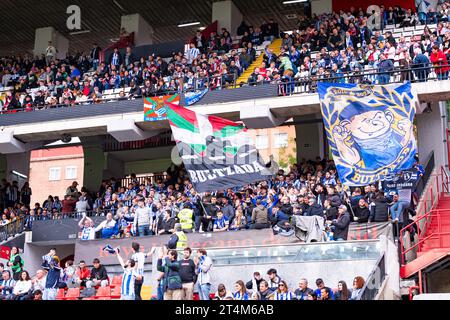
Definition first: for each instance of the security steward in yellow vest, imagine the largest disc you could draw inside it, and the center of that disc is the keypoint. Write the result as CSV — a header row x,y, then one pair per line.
x,y
186,218
181,238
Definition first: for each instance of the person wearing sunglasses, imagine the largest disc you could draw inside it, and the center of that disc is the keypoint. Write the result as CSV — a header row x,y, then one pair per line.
x,y
283,293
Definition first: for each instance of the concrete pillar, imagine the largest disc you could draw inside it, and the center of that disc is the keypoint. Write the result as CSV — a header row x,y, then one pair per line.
x,y
44,35
114,167
309,137
94,162
143,32
17,163
227,15
321,6
431,130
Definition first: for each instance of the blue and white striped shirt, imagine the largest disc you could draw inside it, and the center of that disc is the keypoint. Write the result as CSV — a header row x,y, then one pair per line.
x,y
239,296
283,296
128,278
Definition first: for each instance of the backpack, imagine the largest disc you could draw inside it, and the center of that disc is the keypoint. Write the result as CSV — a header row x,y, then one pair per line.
x,y
172,244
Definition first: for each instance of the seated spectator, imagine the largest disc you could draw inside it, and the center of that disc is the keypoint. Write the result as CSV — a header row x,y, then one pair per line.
x,y
326,294
282,292
361,211
220,223
166,224
342,293
83,274
265,292
321,285
314,208
358,284
38,281
239,221
22,287
259,217
241,291
303,291
222,293
331,213
108,227
99,275
6,286
255,282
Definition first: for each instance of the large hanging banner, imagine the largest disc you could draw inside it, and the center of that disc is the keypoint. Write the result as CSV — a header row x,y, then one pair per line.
x,y
155,108
369,129
217,153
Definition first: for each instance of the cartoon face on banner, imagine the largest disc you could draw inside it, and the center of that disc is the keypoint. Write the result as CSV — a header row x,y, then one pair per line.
x,y
370,130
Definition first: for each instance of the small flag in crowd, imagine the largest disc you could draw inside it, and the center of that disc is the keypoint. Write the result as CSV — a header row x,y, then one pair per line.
x,y
4,252
110,249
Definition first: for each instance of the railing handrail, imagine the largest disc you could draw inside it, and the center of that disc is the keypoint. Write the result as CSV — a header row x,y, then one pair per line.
x,y
378,266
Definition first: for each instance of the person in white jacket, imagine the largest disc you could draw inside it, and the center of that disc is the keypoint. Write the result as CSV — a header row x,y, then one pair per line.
x,y
82,206
22,287
204,265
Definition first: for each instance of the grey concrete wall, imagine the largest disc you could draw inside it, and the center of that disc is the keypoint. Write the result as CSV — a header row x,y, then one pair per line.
x,y
33,255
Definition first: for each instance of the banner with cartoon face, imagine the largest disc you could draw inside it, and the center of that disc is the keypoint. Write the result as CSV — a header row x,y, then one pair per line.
x,y
369,129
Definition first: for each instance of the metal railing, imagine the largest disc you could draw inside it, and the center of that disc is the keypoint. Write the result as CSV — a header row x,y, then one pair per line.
x,y
367,77
214,83
153,178
430,163
422,222
12,229
374,281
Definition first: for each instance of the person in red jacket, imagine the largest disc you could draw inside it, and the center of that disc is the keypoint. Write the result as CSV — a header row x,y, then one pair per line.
x,y
83,274
440,63
68,205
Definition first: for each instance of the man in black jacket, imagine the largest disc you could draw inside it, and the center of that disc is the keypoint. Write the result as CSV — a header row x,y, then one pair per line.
x,y
341,224
187,274
211,213
99,275
379,210
314,208
255,282
361,211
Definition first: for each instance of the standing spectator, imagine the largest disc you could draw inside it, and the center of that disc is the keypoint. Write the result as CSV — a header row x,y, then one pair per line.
x,y
361,211
254,283
72,190
358,284
99,275
186,216
25,194
130,275
282,292
421,65
342,293
172,280
82,206
241,291
259,216
51,264
192,53
440,63
274,279
302,292
187,274
142,219
385,68
95,56
50,54
15,263
341,224
204,265
22,287
6,286
139,258
379,209
30,220
68,205
87,228
115,58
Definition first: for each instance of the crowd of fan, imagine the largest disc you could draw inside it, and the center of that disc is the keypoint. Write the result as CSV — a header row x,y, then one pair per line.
x,y
310,188
179,278
344,41
349,51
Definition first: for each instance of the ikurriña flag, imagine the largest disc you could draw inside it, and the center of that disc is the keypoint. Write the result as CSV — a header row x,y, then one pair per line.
x,y
216,152
369,129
